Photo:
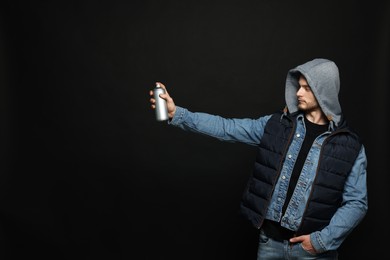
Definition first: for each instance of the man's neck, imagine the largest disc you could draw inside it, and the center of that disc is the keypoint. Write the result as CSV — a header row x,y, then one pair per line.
x,y
316,117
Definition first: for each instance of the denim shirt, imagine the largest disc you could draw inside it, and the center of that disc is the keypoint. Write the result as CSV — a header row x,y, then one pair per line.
x,y
294,211
250,131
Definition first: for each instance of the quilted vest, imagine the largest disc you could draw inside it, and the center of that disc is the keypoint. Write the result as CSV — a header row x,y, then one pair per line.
x,y
338,154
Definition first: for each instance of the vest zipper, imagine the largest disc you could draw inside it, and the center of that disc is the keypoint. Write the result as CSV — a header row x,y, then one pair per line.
x,y
280,166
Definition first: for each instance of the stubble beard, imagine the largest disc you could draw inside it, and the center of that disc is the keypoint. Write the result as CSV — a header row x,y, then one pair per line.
x,y
307,107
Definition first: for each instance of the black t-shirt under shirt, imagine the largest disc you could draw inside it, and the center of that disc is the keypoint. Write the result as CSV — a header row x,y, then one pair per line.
x,y
272,228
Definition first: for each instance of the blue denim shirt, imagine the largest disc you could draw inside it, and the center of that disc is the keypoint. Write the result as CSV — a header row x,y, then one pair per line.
x,y
250,131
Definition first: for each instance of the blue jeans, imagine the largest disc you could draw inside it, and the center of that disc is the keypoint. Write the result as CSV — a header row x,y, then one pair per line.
x,y
270,249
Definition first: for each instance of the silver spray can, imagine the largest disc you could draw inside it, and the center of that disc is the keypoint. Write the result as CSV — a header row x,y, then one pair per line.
x,y
161,104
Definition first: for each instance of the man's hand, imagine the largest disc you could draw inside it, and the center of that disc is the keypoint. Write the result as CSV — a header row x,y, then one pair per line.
x,y
170,104
306,243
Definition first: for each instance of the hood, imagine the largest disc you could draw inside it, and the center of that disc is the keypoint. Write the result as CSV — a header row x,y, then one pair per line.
x,y
322,75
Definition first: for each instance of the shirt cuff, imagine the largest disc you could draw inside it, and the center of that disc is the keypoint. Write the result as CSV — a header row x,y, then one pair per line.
x,y
317,243
179,116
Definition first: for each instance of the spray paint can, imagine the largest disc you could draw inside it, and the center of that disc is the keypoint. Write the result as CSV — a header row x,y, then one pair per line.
x,y
161,105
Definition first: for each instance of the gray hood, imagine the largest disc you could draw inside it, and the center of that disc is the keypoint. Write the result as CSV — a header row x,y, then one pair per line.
x,y
323,78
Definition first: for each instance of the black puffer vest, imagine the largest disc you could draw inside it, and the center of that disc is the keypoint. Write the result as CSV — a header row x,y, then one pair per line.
x,y
338,154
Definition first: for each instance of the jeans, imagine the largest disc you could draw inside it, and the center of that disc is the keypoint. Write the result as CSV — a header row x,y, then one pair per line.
x,y
270,249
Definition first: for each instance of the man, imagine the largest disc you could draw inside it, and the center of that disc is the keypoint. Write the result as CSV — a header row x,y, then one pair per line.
x,y
308,187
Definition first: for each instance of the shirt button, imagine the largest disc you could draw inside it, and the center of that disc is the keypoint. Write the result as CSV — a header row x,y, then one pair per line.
x,y
279,199
298,135
283,177
289,156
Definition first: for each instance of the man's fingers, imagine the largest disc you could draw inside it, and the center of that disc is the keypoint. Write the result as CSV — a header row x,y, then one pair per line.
x,y
296,239
163,87
164,96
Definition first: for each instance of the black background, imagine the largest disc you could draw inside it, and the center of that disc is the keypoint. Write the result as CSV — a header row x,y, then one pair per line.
x,y
87,172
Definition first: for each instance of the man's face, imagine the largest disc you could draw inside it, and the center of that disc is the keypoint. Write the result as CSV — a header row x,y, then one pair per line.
x,y
306,100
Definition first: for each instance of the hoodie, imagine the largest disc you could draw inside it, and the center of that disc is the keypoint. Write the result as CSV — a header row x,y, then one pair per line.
x,y
322,75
